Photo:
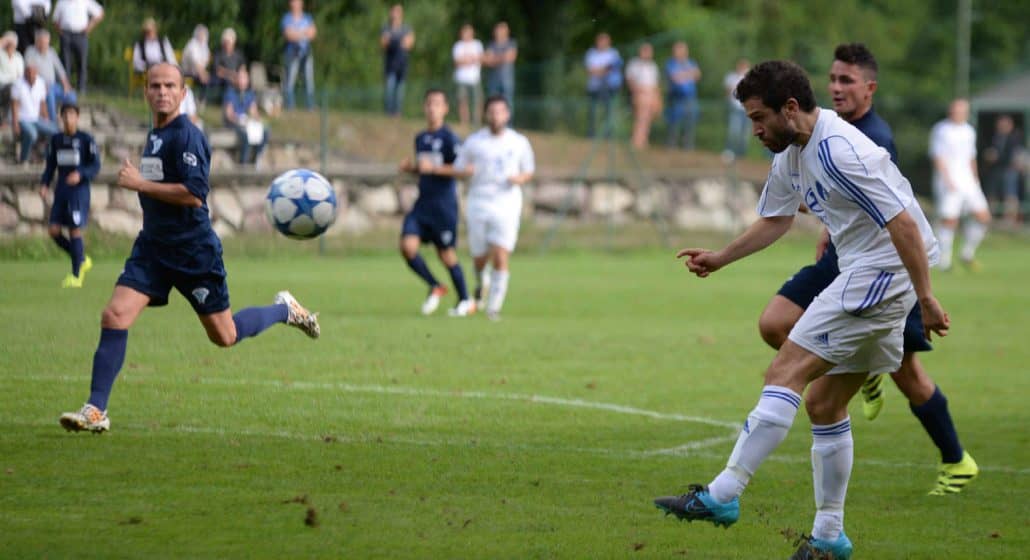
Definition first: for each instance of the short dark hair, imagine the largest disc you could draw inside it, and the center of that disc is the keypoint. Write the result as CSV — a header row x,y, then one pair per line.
x,y
857,54
774,82
434,91
65,107
495,98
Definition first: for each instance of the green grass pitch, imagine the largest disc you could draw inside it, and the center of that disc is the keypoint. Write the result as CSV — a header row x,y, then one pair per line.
x,y
612,379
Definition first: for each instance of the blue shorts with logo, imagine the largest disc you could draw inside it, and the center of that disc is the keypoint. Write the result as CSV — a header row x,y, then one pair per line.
x,y
811,280
71,211
440,228
195,269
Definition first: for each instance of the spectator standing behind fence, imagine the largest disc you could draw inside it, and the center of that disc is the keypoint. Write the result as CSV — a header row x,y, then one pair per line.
x,y
52,72
299,30
228,61
1003,167
500,57
150,49
642,79
604,78
682,110
738,127
468,61
29,118
241,114
12,68
196,57
29,15
75,20
396,40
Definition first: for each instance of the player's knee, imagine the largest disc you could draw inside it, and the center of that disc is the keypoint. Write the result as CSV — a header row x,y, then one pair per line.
x,y
820,409
115,317
774,330
54,231
222,339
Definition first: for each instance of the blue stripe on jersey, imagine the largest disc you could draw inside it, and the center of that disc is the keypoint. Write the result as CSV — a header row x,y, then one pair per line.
x,y
854,190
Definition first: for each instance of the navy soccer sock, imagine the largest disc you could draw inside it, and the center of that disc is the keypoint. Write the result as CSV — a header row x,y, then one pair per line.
x,y
63,243
418,264
936,420
78,252
107,362
458,277
252,320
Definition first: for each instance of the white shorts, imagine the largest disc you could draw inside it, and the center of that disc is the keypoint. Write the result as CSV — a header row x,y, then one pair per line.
x,y
954,204
494,220
858,321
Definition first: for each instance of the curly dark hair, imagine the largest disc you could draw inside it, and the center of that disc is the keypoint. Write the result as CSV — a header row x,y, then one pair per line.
x,y
774,82
857,54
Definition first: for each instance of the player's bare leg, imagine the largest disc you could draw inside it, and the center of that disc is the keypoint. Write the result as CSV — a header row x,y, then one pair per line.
x,y
409,247
946,237
480,263
777,320
973,234
449,258
498,257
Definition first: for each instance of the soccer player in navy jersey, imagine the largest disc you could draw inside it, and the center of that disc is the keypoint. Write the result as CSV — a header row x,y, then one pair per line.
x,y
73,155
852,85
434,217
176,249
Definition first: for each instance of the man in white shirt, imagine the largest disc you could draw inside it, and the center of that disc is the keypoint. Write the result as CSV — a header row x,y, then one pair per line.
x,y
737,128
196,57
885,247
29,16
468,61
29,117
43,57
75,20
642,79
498,161
956,184
12,68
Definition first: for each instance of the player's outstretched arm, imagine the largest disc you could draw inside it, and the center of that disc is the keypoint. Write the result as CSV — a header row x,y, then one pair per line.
x,y
907,240
172,193
760,235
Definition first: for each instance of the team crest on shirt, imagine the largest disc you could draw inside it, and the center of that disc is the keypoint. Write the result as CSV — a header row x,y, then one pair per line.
x,y
200,294
447,237
189,159
155,143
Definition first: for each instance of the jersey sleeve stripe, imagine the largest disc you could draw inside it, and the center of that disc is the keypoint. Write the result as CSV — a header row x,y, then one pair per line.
x,y
854,190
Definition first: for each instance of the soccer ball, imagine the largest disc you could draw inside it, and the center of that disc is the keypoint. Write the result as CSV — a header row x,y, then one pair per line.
x,y
301,204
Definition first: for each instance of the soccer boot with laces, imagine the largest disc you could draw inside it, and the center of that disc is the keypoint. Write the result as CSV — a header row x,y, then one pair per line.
x,y
88,418
952,478
299,317
433,299
817,549
698,504
72,281
464,308
872,397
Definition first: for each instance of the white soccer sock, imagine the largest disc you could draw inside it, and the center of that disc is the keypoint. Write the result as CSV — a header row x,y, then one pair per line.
x,y
833,451
763,432
974,233
498,289
946,237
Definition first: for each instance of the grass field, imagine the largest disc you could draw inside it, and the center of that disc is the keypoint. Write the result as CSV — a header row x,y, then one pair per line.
x,y
613,378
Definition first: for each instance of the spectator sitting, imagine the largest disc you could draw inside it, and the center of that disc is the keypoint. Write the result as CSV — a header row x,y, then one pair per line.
x,y
29,16
196,57
396,40
500,56
241,114
604,78
151,49
682,111
12,68
49,66
468,59
299,30
75,20
228,61
29,118
642,78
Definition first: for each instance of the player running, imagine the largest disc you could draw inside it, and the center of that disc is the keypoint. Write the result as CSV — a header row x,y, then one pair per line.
x,y
852,85
434,217
498,161
73,154
854,326
177,248
956,184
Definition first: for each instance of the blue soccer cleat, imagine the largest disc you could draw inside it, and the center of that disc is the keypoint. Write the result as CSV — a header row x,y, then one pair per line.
x,y
699,504
817,549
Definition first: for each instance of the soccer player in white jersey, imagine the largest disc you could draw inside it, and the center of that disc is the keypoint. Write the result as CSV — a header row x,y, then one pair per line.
x,y
498,161
885,247
956,184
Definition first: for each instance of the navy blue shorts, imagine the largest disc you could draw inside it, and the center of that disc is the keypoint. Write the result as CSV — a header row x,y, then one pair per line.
x,y
810,281
195,270
441,230
70,212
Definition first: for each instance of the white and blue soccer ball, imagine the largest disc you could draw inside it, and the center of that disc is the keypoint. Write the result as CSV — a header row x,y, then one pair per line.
x,y
301,204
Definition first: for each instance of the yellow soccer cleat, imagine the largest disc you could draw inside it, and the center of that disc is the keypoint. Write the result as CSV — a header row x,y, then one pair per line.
x,y
952,478
872,397
72,281
87,265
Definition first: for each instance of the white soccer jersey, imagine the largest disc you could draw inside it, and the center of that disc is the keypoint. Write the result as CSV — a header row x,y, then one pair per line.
x,y
955,143
851,184
494,159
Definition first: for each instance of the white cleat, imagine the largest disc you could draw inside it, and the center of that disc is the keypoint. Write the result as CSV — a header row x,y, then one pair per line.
x,y
464,308
299,317
88,418
433,300
494,316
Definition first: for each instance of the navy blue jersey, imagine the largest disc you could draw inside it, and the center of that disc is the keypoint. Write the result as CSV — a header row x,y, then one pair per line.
x,y
437,193
878,131
177,153
65,154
